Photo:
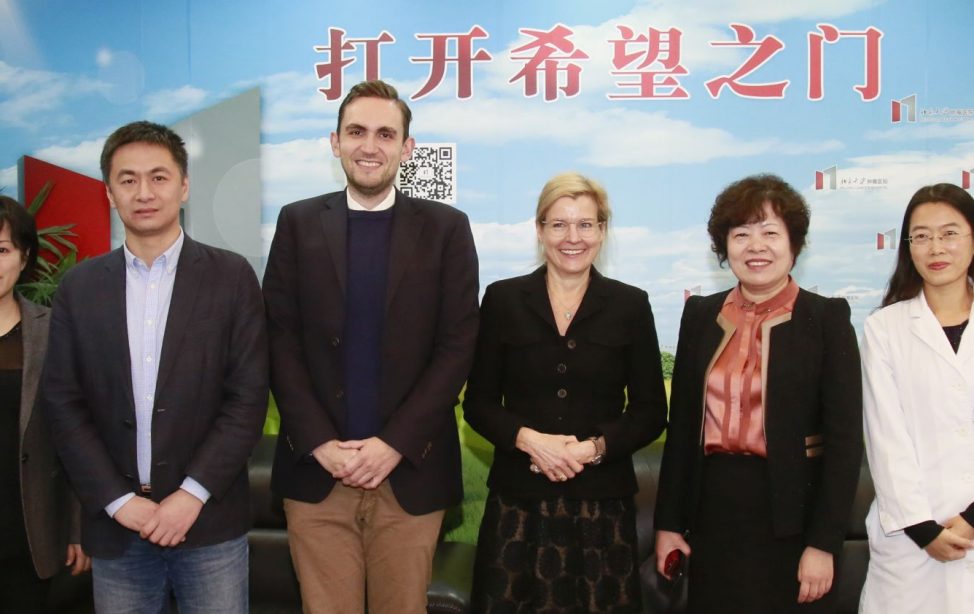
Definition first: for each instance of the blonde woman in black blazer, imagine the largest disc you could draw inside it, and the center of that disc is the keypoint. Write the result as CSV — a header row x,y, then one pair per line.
x,y
760,507
559,353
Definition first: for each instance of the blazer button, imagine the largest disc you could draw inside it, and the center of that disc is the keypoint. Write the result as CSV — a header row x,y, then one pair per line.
x,y
571,344
562,393
24,458
561,368
339,394
160,410
128,476
335,342
162,463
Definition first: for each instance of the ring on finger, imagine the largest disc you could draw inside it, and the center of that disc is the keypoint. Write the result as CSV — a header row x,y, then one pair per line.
x,y
534,468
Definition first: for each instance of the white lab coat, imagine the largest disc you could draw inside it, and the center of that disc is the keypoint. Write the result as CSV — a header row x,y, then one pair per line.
x,y
919,425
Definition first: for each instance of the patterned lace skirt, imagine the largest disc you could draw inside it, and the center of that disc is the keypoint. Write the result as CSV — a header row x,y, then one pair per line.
x,y
556,555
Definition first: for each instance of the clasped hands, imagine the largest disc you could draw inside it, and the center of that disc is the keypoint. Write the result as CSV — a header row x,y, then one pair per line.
x,y
558,457
165,523
358,463
953,542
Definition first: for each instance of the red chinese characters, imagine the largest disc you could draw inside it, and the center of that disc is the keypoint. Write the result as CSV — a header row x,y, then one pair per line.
x,y
764,49
463,59
554,58
650,62
334,69
830,34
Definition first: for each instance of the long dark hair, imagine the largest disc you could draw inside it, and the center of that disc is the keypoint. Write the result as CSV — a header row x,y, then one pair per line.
x,y
905,283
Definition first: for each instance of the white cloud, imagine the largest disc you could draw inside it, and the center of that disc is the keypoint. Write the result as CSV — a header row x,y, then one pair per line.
x,y
81,158
164,104
27,96
912,133
610,138
298,169
9,181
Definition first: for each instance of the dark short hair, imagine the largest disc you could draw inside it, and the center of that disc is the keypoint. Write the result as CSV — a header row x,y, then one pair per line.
x,y
905,282
742,202
144,132
23,233
376,89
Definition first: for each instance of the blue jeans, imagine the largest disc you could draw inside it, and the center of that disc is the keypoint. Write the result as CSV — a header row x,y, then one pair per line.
x,y
208,579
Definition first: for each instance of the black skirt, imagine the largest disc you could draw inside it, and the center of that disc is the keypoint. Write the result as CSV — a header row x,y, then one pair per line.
x,y
556,555
737,565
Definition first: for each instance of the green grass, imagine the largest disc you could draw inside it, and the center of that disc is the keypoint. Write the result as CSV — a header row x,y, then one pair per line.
x,y
461,522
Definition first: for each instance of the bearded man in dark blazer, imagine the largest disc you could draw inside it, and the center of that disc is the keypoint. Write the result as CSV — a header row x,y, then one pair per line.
x,y
371,301
155,386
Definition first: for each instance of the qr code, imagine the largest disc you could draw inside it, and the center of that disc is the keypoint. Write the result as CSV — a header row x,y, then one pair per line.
x,y
431,173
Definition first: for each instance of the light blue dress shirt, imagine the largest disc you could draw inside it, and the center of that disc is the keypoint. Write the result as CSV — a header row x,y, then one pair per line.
x,y
148,294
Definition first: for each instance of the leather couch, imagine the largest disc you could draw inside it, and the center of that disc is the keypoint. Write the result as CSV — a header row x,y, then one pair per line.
x,y
274,588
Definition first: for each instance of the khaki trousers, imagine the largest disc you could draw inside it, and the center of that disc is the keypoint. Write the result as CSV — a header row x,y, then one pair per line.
x,y
360,541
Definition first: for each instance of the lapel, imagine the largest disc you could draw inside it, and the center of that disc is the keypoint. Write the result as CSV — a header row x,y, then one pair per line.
x,y
716,332
593,301
113,314
407,226
185,290
536,296
924,325
33,320
334,225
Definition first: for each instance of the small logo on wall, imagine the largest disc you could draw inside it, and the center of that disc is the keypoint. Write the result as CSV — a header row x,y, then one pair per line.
x,y
906,110
827,175
886,240
905,107
965,179
694,291
831,179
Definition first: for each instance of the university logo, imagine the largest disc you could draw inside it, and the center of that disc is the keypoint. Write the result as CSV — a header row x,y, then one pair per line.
x,y
965,179
886,240
907,105
828,175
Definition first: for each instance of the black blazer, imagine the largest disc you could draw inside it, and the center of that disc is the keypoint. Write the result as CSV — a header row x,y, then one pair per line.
x,y
210,401
527,375
813,419
52,515
427,344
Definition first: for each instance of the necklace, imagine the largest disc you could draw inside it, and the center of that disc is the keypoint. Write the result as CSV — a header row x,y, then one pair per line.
x,y
568,311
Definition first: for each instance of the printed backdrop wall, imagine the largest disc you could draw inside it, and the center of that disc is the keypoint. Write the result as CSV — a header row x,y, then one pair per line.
x,y
855,102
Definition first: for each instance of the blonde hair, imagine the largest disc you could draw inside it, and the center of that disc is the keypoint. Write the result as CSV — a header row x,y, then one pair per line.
x,y
573,185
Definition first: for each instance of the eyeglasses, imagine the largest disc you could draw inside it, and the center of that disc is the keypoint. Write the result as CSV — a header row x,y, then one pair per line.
x,y
949,238
558,229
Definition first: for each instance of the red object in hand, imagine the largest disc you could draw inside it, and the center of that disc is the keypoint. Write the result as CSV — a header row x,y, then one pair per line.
x,y
673,565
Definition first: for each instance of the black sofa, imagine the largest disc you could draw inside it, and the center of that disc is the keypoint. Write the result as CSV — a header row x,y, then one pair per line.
x,y
274,588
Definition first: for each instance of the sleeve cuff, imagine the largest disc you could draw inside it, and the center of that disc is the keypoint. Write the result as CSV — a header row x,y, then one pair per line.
x,y
923,533
196,489
112,508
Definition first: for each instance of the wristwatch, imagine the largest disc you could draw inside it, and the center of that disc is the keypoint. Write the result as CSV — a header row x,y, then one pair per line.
x,y
599,451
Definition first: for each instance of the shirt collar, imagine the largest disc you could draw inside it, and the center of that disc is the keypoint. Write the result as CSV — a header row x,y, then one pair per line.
x,y
387,202
170,257
785,298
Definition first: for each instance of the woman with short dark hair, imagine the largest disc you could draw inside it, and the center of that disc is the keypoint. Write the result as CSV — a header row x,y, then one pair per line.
x,y
39,517
764,440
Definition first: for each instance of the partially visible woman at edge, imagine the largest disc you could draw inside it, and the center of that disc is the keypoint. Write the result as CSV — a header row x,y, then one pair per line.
x,y
918,369
558,352
764,445
39,515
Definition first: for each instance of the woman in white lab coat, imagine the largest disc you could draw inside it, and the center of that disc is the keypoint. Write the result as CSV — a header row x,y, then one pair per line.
x,y
918,376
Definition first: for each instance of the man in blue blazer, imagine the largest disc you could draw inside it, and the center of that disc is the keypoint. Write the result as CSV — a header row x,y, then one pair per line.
x,y
372,314
156,389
